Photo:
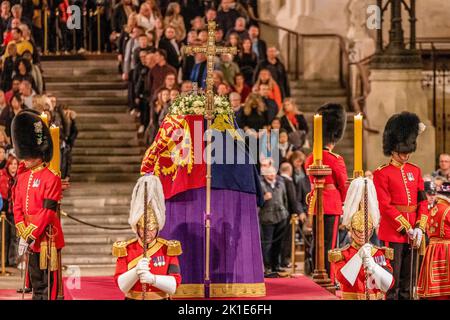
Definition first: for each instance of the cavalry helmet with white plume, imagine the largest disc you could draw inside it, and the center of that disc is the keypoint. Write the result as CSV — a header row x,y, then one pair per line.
x,y
156,207
353,217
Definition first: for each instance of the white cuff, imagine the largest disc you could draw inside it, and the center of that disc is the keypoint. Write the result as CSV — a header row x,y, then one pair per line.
x,y
165,283
383,278
127,280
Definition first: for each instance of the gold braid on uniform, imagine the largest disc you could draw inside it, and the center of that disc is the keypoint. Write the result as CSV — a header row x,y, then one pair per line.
x,y
119,248
335,255
173,246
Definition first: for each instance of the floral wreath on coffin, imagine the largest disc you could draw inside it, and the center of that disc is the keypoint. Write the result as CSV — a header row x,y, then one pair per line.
x,y
195,104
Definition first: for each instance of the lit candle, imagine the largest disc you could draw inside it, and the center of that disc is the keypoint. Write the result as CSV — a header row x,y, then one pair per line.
x,y
358,127
317,149
44,118
55,163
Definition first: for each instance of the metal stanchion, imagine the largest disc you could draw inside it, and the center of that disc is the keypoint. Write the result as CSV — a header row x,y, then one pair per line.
x,y
85,26
57,28
91,14
46,12
294,224
99,50
74,41
4,272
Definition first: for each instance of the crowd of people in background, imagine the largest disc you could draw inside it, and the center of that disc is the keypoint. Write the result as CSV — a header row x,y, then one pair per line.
x,y
22,87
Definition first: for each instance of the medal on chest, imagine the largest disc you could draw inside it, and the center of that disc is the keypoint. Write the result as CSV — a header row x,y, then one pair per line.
x,y
158,261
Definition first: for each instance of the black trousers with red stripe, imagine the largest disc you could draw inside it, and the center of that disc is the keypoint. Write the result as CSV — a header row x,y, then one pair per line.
x,y
39,279
330,228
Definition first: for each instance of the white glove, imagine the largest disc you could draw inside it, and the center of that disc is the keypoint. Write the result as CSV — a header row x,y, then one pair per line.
x,y
365,251
23,246
382,278
369,264
142,266
417,236
147,277
411,234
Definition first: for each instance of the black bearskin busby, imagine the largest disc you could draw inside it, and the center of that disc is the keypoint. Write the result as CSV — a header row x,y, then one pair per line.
x,y
31,137
333,122
400,133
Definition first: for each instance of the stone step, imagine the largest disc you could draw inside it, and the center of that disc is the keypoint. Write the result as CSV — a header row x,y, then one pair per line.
x,y
131,126
100,109
96,151
82,250
107,239
106,62
112,101
97,201
315,84
88,86
318,92
83,189
104,177
109,159
99,168
90,78
106,118
71,259
87,230
117,143
128,135
87,211
100,220
91,93
71,71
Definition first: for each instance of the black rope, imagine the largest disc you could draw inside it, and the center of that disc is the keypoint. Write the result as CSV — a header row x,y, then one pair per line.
x,y
92,225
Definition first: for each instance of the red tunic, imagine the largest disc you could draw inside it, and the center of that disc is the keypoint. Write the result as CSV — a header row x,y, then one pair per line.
x,y
335,184
163,261
36,196
340,257
434,278
397,189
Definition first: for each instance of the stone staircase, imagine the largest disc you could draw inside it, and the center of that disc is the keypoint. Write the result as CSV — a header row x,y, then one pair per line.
x,y
310,95
106,157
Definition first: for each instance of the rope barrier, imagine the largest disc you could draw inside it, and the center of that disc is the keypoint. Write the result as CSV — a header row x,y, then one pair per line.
x,y
91,224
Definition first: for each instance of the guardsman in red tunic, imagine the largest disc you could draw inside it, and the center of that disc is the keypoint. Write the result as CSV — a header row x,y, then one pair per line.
x,y
402,200
159,271
334,122
363,270
434,278
36,197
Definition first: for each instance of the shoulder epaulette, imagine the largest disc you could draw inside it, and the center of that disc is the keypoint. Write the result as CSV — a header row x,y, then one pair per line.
x,y
382,166
335,255
388,253
119,249
173,246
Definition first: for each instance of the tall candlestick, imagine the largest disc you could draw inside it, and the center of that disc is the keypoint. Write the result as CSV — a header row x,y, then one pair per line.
x,y
358,132
55,163
317,149
44,118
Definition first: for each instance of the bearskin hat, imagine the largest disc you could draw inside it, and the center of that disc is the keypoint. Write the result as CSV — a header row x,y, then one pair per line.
x,y
31,137
334,121
400,133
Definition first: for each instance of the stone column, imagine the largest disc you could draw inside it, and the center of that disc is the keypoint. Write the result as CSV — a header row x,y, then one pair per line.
x,y
393,91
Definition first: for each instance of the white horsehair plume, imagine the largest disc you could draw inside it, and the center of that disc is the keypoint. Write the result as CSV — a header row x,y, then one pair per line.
x,y
155,198
422,127
355,195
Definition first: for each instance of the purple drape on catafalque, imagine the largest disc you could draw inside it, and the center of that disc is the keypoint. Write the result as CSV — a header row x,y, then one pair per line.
x,y
235,240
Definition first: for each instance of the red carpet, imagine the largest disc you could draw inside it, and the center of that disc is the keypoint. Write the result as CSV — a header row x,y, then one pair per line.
x,y
104,288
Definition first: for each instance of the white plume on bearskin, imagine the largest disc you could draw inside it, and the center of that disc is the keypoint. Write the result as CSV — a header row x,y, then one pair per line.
x,y
155,199
355,196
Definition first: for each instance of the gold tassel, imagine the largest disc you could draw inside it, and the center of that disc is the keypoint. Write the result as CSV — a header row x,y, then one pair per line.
x,y
43,256
53,257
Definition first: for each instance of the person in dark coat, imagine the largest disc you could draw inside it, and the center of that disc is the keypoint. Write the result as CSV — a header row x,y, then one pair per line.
x,y
171,46
259,46
277,69
121,11
227,16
